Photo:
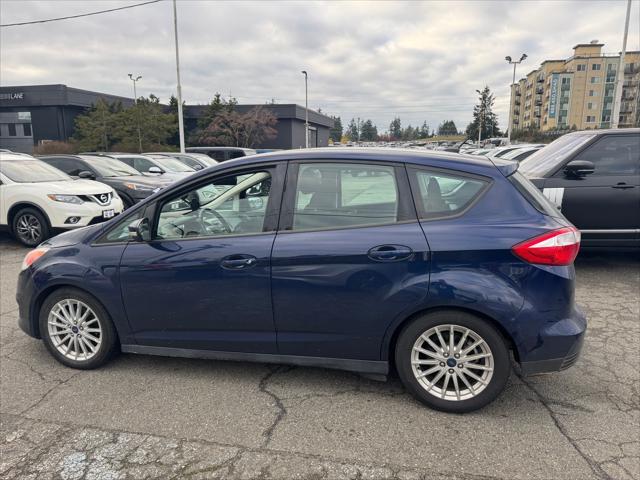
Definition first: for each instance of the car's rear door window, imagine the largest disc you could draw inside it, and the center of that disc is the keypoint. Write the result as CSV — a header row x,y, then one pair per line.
x,y
343,195
614,155
442,194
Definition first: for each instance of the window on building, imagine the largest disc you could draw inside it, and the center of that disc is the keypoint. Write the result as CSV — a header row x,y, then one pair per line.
x,y
342,195
581,67
596,66
593,93
26,129
595,79
590,106
12,129
612,67
566,81
591,118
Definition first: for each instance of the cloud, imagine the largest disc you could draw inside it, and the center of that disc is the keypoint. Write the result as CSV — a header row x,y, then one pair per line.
x,y
419,61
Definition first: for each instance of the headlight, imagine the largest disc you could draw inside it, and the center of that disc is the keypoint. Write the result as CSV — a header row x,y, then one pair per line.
x,y
32,256
65,198
138,187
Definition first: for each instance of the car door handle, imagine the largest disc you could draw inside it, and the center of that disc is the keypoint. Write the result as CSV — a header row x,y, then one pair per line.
x,y
238,262
622,185
390,253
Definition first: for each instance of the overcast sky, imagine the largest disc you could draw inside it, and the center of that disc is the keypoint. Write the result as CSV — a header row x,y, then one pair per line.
x,y
419,61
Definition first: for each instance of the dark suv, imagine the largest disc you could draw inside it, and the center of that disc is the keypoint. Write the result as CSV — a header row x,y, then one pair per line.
x,y
130,184
593,177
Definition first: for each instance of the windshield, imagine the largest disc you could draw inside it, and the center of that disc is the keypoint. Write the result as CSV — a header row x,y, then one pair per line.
x,y
172,165
27,171
110,167
547,159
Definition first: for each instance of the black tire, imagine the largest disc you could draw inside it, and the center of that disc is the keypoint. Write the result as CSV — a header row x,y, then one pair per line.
x,y
501,362
109,338
30,227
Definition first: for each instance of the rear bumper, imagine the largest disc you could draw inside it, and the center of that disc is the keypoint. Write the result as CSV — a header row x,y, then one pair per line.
x,y
566,335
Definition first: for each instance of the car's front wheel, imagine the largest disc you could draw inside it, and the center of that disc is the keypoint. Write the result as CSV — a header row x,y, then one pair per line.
x,y
30,227
76,329
452,361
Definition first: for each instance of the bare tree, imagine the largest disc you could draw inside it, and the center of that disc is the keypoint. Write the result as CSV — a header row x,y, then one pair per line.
x,y
230,128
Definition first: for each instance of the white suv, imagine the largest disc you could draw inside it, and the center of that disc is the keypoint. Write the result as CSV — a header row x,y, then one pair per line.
x,y
36,199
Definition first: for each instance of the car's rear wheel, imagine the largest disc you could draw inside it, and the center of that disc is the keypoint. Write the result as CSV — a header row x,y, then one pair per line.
x,y
452,361
76,329
30,227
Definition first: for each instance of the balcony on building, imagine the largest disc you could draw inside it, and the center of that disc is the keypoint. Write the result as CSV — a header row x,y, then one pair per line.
x,y
517,102
626,108
631,69
516,112
539,90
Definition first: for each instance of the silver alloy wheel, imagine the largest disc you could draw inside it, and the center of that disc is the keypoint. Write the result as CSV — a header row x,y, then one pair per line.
x,y
452,362
74,329
29,228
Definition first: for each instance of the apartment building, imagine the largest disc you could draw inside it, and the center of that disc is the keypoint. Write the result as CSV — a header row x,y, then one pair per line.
x,y
577,91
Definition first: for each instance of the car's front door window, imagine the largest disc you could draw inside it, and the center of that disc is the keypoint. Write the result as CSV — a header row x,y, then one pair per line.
x,y
233,205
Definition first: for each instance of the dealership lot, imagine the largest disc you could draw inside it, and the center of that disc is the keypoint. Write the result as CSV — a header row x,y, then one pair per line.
x,y
152,417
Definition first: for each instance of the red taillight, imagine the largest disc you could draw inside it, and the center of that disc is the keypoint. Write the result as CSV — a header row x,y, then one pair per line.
x,y
558,247
32,256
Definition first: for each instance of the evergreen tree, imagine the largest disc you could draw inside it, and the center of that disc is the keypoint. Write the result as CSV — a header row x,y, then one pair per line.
x,y
368,131
395,129
352,130
448,127
483,115
336,132
424,130
95,129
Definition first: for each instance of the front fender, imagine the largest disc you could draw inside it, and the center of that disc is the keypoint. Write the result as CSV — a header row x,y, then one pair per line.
x,y
101,280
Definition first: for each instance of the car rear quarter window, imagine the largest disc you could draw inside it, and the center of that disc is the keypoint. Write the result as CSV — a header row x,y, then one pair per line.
x,y
443,194
343,195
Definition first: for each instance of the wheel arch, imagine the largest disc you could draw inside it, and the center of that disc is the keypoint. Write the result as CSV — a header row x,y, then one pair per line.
x,y
391,337
16,207
39,300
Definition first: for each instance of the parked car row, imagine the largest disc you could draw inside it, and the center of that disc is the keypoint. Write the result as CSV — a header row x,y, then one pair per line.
x,y
38,196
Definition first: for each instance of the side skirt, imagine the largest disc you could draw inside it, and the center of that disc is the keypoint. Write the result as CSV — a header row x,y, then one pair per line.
x,y
379,369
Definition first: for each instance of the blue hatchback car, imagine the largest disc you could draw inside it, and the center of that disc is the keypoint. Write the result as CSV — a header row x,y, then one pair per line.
x,y
437,265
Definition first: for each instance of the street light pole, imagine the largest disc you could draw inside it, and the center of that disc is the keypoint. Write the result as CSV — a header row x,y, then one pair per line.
x,y
306,110
620,80
179,88
514,63
135,99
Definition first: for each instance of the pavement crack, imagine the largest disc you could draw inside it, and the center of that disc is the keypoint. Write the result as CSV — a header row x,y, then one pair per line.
x,y
59,383
595,467
282,411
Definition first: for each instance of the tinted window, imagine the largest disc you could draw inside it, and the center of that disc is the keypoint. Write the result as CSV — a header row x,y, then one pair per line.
x,y
331,195
231,205
110,167
614,155
26,128
70,166
524,155
12,129
443,194
548,158
217,155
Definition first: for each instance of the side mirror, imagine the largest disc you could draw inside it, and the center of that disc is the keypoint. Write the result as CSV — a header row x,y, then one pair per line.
x,y
157,170
579,168
139,230
86,174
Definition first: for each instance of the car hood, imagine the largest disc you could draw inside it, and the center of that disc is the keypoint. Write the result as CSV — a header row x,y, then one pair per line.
x,y
74,187
72,237
152,182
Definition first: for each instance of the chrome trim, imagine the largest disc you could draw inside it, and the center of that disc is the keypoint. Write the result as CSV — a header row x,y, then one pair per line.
x,y
99,198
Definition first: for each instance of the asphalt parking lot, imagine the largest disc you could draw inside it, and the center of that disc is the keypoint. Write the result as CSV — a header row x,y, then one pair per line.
x,y
150,417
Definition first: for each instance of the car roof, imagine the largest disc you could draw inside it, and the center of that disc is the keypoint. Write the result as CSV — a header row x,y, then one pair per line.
x,y
437,159
4,156
207,149
607,131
